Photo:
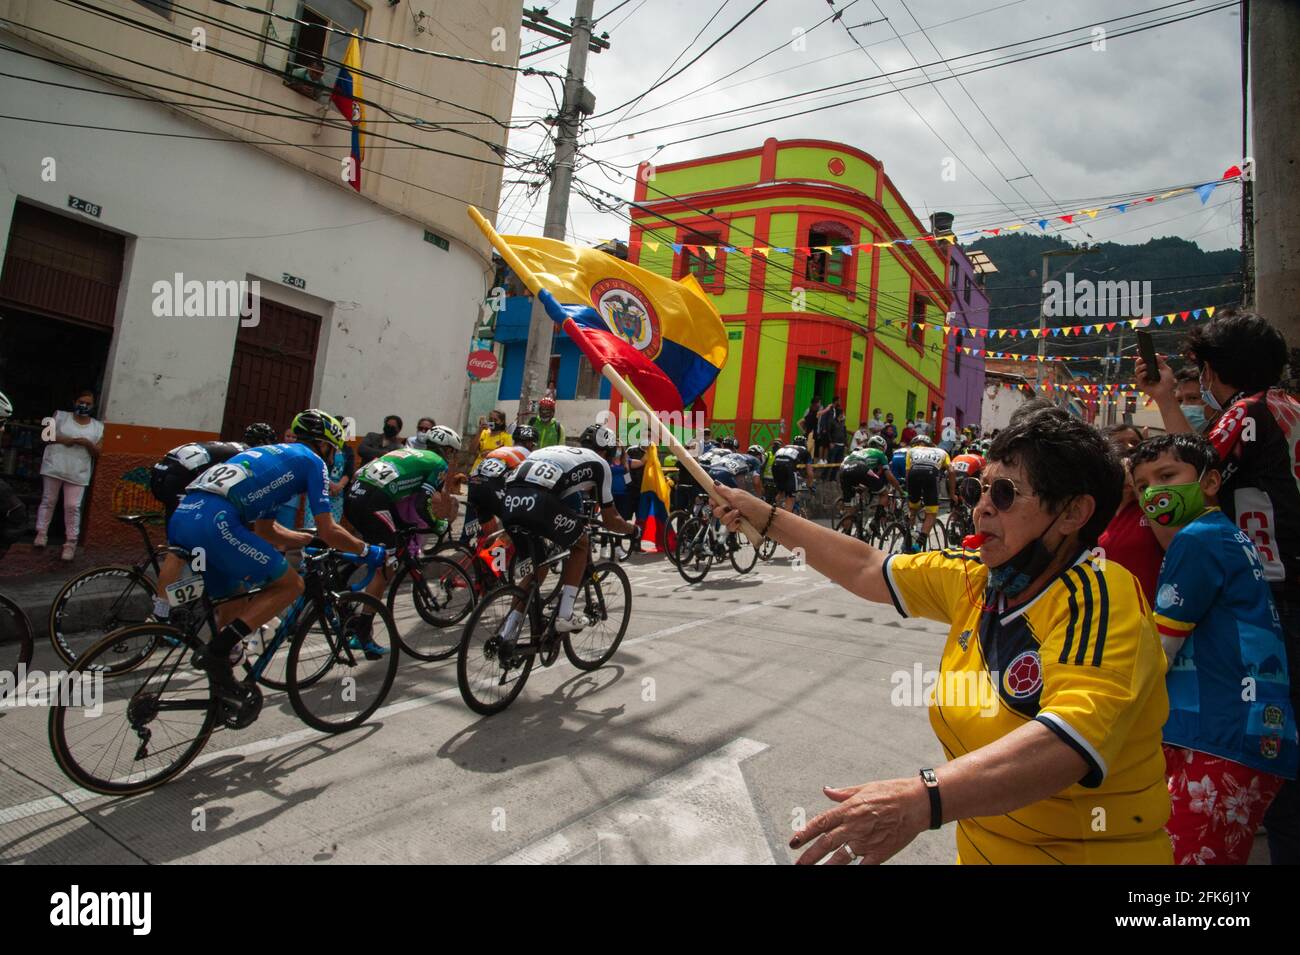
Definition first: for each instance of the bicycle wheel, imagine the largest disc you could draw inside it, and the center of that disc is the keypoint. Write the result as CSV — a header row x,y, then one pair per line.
x,y
15,637
694,550
894,538
937,539
850,524
744,555
429,606
767,549
150,720
955,528
485,685
95,603
332,686
607,599
668,539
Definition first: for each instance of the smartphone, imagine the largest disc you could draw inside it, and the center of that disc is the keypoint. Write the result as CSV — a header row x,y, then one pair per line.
x,y
1148,352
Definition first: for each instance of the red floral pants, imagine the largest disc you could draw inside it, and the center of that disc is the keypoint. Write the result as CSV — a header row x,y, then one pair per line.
x,y
1217,805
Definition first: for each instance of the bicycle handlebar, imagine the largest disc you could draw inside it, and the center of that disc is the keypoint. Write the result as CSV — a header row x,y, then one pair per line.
x,y
317,554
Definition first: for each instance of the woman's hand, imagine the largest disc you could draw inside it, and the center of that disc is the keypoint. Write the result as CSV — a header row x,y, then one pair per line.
x,y
740,504
874,821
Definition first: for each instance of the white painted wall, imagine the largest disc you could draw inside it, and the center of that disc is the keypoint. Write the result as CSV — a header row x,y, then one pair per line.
x,y
999,405
397,311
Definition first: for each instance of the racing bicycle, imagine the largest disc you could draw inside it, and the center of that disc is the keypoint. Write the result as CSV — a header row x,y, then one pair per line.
x,y
491,670
156,713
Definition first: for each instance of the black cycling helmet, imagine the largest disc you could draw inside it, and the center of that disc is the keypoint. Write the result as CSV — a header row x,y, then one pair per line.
x,y
801,441
730,443
598,438
526,435
316,425
260,433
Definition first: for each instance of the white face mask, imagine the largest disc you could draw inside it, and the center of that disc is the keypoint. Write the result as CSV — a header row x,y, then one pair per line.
x,y
1208,396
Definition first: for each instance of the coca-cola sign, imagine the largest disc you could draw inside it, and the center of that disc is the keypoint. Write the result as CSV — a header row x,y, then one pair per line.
x,y
482,364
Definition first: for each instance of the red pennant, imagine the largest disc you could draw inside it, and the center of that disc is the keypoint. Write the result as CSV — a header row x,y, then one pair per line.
x,y
1067,218
1232,172
1183,315
1110,326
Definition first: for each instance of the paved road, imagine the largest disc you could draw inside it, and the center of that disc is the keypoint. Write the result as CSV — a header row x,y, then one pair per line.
x,y
726,709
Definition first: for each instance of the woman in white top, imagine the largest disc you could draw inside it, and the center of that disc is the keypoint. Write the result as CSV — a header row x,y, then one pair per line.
x,y
68,463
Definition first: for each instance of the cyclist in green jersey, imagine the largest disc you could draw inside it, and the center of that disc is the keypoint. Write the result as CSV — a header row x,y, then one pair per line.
x,y
866,469
403,489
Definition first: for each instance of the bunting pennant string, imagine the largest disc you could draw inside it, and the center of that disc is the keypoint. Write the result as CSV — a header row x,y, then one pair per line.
x,y
1189,315
1202,190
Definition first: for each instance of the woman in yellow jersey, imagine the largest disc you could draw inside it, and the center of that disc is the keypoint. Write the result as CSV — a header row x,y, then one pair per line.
x,y
1051,696
492,437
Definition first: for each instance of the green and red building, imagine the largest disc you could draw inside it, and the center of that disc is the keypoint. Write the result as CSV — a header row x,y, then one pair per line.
x,y
820,271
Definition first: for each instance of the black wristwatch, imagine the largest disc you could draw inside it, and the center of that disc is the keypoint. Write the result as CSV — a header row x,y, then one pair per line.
x,y
936,807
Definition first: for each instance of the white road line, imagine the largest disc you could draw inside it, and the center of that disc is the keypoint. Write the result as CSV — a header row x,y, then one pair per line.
x,y
51,803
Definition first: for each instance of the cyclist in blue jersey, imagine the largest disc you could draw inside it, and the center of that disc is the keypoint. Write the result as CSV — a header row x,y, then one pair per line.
x,y
228,517
733,469
898,464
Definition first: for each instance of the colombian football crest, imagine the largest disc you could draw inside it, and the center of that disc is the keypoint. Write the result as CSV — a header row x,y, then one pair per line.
x,y
629,314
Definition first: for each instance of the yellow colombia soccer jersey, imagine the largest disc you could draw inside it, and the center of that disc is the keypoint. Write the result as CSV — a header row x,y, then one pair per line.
x,y
1083,659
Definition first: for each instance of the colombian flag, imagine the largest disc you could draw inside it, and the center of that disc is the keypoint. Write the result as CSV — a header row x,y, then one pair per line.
x,y
665,337
346,98
652,509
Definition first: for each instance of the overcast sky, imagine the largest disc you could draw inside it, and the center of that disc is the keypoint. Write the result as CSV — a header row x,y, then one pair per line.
x,y
1152,110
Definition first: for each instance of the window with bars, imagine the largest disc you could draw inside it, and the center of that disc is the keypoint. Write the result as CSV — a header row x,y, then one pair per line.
x,y
706,268
916,336
831,268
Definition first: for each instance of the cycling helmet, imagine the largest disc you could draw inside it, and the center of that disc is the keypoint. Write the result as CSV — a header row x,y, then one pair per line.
x,y
801,441
6,408
526,435
546,404
730,443
877,442
258,434
440,436
315,425
598,438
920,441
757,451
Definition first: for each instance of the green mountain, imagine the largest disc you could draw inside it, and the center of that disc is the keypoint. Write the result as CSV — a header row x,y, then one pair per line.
x,y
1182,277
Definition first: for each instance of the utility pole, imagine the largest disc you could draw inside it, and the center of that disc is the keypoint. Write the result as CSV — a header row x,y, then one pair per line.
x,y
1274,30
1042,309
578,102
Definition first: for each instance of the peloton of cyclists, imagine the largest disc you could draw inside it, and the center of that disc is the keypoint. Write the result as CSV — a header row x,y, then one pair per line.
x,y
487,482
734,469
181,465
543,497
227,516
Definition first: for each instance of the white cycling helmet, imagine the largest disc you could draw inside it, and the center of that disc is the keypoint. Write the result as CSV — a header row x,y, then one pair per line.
x,y
6,408
440,436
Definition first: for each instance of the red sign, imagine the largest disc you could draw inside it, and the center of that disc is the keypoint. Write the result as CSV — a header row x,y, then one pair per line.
x,y
482,364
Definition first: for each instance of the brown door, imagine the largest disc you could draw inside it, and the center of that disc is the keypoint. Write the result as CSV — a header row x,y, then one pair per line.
x,y
272,369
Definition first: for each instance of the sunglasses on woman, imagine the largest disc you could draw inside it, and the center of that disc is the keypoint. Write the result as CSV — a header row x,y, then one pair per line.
x,y
1002,492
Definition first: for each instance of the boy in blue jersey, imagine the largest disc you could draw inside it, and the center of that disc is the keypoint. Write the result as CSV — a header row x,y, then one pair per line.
x,y
229,512
1230,741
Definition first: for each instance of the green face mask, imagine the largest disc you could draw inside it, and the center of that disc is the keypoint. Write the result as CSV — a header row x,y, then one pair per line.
x,y
1173,505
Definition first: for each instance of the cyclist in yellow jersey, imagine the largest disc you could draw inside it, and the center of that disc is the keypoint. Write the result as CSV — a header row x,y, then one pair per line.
x,y
1050,697
924,465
